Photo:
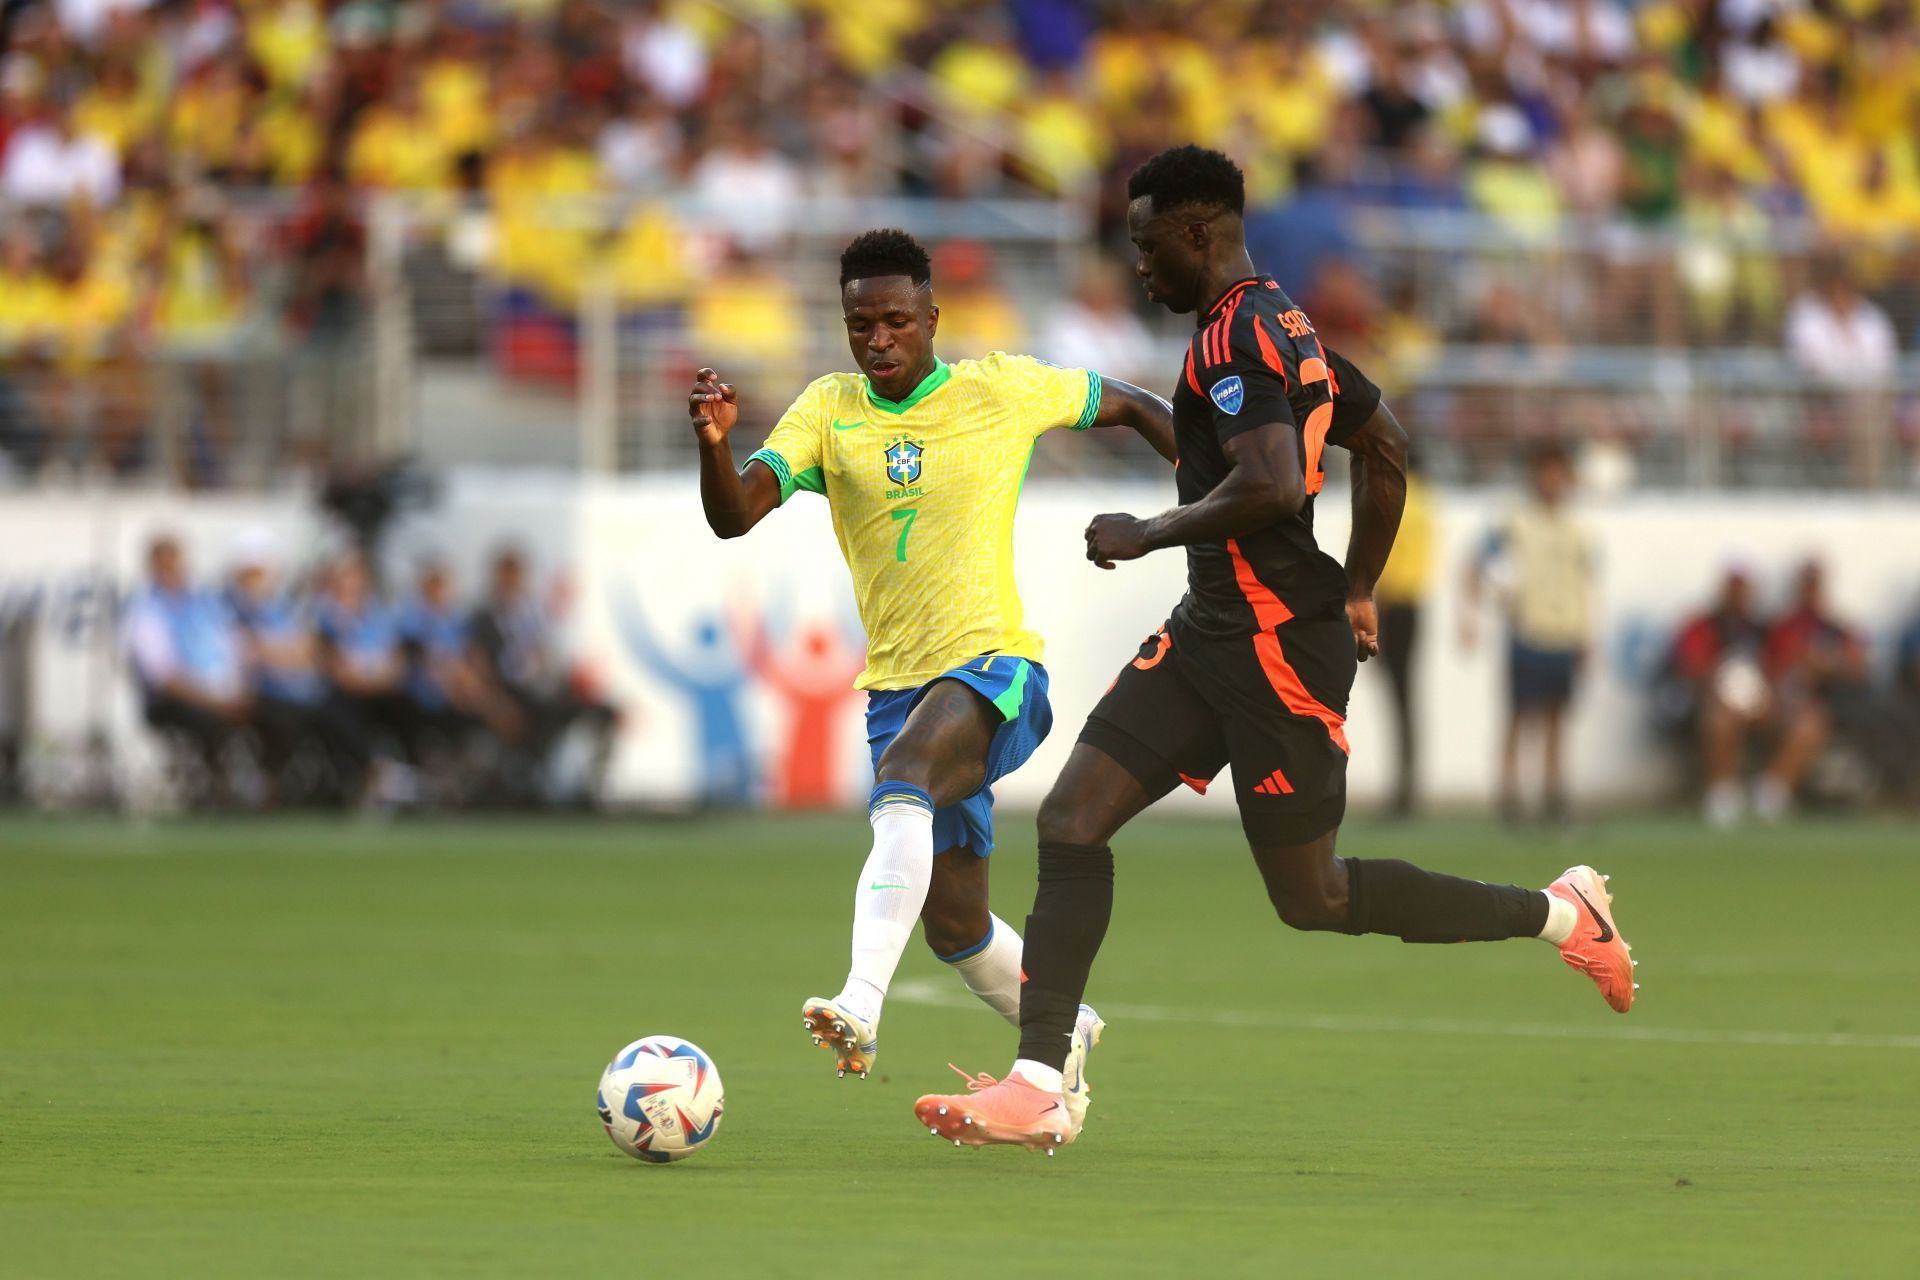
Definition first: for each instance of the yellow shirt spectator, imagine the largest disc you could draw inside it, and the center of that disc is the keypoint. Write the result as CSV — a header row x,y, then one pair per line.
x,y
532,251
1888,77
1882,205
976,320
129,237
1717,135
85,313
455,94
1830,161
395,148
534,170
1122,66
202,292
541,244
1295,104
28,308
867,36
116,109
1062,142
981,78
750,310
1200,85
1518,195
288,38
288,133
1408,577
205,121
648,260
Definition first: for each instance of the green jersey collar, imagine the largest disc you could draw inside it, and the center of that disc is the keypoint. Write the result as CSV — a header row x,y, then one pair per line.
x,y
928,385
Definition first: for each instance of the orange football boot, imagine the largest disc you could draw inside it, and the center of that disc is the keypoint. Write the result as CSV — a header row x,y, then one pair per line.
x,y
1595,947
1007,1111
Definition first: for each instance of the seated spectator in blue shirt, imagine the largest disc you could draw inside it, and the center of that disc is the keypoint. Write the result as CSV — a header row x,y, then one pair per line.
x,y
361,658
447,692
293,703
186,658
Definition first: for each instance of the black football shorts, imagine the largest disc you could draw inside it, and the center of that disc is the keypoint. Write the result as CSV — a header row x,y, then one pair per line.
x,y
1273,705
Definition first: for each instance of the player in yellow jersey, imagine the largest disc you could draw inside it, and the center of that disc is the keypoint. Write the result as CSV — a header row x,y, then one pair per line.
x,y
922,462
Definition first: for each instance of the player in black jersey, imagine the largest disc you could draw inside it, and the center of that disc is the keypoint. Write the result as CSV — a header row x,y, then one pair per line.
x,y
1253,667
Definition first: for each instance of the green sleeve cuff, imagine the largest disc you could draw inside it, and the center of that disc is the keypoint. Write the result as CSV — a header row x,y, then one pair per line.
x,y
813,480
781,471
1092,409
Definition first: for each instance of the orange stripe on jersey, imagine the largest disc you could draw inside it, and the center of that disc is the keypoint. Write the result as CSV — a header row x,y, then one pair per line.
x,y
1270,612
1225,324
1191,380
1332,381
1216,339
1271,354
1319,421
1233,295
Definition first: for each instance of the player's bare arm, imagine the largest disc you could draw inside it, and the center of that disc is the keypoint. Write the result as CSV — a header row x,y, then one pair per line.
x,y
1379,474
734,501
1124,405
1265,486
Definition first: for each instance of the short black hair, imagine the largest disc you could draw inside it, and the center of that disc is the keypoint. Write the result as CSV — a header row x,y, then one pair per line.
x,y
1189,175
888,251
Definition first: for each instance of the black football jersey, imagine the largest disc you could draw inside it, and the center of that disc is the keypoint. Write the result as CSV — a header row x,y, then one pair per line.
x,y
1255,360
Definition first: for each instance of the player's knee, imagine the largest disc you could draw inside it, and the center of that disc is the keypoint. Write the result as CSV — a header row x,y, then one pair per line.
x,y
1309,908
1063,820
904,762
951,929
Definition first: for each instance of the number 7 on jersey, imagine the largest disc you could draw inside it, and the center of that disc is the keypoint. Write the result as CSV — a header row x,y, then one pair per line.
x,y
907,514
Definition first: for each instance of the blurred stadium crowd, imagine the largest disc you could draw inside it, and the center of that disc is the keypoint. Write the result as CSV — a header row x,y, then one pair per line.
x,y
188,179
1764,697
267,692
1790,703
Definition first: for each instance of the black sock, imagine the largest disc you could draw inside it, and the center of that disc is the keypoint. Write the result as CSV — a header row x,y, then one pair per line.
x,y
1388,896
1069,920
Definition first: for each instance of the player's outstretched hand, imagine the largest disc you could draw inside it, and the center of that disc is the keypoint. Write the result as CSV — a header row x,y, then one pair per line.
x,y
1116,537
1365,620
712,406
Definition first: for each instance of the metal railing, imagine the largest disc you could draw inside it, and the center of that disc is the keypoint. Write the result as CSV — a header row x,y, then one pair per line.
x,y
598,379
615,358
1722,418
244,397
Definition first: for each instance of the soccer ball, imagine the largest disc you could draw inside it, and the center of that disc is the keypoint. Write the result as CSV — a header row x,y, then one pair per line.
x,y
660,1099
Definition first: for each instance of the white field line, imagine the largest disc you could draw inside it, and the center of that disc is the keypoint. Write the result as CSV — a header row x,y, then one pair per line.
x,y
938,994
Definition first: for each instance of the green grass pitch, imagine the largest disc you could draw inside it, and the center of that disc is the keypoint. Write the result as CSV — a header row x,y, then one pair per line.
x,y
296,1048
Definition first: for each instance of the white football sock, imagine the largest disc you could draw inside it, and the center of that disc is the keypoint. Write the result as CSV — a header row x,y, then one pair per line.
x,y
892,890
1561,917
992,971
1039,1075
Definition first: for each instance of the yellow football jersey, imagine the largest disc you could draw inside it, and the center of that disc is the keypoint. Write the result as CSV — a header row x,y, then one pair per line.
x,y
923,492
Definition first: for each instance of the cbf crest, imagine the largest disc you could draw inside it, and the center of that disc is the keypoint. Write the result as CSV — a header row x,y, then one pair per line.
x,y
904,460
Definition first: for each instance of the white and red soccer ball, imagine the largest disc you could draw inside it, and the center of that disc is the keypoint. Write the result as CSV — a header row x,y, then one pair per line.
x,y
660,1099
